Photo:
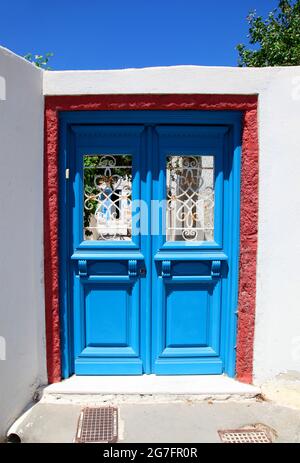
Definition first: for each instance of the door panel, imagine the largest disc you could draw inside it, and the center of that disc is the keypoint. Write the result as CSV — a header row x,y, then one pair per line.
x,y
189,322
111,332
190,179
187,313
107,324
188,326
111,328
107,252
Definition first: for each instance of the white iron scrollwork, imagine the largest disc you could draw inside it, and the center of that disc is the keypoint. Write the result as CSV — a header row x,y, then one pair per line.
x,y
107,197
190,198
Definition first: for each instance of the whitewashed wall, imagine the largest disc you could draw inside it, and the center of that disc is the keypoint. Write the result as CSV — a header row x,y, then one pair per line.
x,y
21,236
277,337
277,331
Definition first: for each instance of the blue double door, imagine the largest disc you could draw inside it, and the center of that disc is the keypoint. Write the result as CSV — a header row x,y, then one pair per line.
x,y
149,242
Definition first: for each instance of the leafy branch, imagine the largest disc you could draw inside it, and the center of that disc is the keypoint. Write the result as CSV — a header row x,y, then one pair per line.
x,y
275,40
40,61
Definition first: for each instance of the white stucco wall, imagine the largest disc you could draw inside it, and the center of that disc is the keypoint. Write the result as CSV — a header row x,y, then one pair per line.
x,y
277,336
21,244
277,328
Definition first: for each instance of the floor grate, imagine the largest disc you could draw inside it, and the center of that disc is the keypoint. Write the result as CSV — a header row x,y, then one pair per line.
x,y
97,425
244,436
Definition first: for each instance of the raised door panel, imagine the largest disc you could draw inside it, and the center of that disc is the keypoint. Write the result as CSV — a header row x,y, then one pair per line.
x,y
187,318
108,317
188,326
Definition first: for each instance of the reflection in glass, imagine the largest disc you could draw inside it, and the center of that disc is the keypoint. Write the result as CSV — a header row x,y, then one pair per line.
x,y
107,197
190,198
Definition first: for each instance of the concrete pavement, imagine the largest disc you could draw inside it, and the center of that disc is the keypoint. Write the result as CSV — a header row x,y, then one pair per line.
x,y
185,421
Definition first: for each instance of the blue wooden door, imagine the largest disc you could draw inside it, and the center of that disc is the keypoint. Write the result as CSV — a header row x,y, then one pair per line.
x,y
149,214
189,252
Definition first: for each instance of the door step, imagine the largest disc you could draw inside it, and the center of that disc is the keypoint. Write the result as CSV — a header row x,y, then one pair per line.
x,y
114,389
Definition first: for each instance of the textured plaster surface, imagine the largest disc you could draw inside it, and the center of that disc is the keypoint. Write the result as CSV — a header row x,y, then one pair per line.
x,y
51,236
248,248
249,187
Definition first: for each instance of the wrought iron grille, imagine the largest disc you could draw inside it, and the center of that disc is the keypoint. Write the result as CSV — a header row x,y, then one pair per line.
x,y
190,198
107,197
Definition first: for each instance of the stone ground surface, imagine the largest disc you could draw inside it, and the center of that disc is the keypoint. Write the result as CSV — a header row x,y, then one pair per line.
x,y
178,422
284,390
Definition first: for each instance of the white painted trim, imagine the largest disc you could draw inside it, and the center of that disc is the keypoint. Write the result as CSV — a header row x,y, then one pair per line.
x,y
161,80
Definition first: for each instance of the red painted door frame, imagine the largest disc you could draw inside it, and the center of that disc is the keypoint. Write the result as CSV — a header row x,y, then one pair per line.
x,y
249,206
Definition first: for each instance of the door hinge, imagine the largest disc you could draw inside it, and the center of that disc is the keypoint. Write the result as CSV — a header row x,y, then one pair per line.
x,y
67,174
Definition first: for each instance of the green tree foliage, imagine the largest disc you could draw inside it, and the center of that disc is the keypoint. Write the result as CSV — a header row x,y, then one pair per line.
x,y
275,40
41,61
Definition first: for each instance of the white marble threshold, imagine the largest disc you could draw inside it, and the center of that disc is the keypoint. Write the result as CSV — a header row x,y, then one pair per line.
x,y
152,384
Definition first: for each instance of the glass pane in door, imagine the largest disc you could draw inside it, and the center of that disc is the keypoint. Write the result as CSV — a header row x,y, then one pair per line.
x,y
190,198
107,211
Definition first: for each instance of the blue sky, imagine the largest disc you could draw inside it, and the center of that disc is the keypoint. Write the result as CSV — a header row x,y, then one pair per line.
x,y
109,34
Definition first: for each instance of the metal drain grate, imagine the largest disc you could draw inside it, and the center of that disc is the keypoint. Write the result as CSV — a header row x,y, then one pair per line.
x,y
97,425
244,436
